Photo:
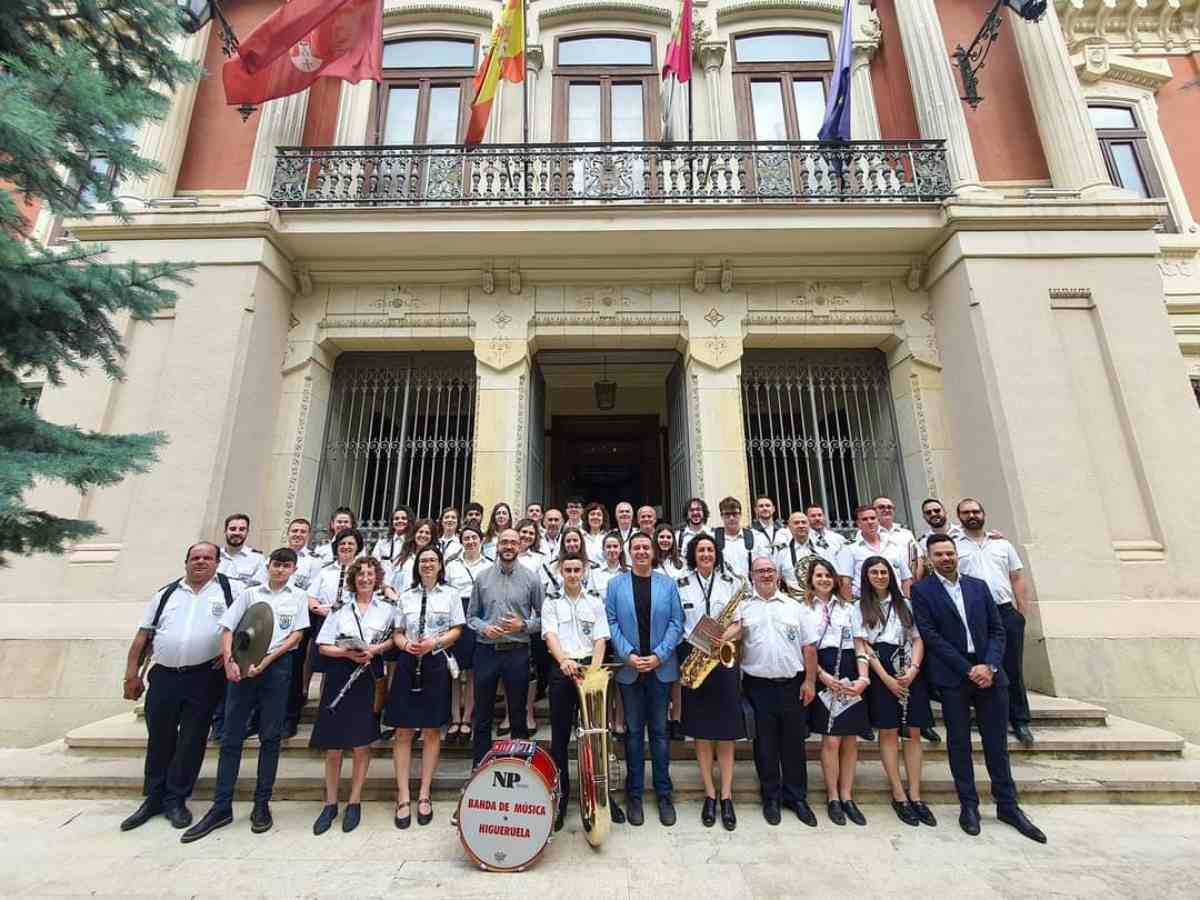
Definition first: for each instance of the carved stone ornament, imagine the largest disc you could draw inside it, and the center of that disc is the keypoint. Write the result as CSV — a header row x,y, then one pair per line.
x,y
821,298
487,280
1177,266
726,276
918,405
915,276
499,354
304,279
830,10
445,10
1131,26
398,298
809,317
514,279
699,279
591,10
297,460
715,352
1097,62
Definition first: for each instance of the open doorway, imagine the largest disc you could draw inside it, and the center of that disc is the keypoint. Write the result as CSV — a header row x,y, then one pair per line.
x,y
606,459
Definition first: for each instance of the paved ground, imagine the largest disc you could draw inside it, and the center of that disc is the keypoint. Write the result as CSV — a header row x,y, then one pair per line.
x,y
55,848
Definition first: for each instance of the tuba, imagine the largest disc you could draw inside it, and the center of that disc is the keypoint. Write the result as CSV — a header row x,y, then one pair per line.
x,y
591,749
699,665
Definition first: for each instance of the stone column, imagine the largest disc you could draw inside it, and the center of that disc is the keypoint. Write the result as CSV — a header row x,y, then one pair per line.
x,y
935,90
534,58
864,117
501,428
712,56
165,139
1068,139
280,124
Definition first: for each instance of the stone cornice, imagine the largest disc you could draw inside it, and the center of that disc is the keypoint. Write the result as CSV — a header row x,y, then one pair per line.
x,y
588,11
1098,62
1149,27
438,10
749,9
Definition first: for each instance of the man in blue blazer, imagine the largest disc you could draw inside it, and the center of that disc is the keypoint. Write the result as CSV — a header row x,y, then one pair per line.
x,y
964,657
645,619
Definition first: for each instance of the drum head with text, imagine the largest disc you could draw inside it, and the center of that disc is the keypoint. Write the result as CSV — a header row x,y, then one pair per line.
x,y
506,815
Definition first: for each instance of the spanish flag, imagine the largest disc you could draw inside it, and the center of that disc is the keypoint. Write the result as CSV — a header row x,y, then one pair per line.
x,y
505,60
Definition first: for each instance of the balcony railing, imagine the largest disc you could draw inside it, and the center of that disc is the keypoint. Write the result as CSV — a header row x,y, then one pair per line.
x,y
618,173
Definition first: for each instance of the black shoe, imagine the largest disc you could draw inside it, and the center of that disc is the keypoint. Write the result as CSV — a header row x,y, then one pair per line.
x,y
290,729
868,735
352,818
853,813
771,812
905,813
708,813
560,817
1024,735
666,810
424,818
325,819
968,819
836,816
615,812
636,816
728,816
930,734
923,813
1015,816
260,818
803,812
674,730
387,734
399,821
179,816
215,818
143,814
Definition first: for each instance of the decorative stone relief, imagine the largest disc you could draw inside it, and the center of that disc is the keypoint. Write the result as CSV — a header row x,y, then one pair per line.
x,y
744,9
608,320
297,461
591,10
412,320
1130,25
501,320
500,354
304,279
713,317
610,299
697,438
918,403
398,10
522,406
821,298
715,352
398,297
1098,62
1176,267
808,317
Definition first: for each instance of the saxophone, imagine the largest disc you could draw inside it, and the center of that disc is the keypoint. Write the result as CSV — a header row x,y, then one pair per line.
x,y
699,665
591,751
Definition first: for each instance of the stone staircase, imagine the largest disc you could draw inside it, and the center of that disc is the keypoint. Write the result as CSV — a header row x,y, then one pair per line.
x,y
1082,754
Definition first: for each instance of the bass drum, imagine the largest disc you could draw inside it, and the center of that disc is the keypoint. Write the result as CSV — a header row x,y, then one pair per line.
x,y
506,812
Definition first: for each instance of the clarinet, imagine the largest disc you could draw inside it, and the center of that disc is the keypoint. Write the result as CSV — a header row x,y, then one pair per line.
x,y
354,676
420,634
900,663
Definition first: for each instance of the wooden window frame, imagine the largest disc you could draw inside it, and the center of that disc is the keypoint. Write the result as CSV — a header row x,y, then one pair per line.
x,y
786,72
423,80
606,76
1143,156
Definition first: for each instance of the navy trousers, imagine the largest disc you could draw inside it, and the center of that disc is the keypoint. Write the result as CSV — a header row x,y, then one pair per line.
x,y
991,714
491,667
269,693
179,708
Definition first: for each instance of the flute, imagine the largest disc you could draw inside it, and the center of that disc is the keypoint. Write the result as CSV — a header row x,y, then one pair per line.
x,y
420,634
332,707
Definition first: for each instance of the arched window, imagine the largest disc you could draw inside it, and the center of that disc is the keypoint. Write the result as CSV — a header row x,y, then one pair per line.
x,y
426,90
605,89
780,79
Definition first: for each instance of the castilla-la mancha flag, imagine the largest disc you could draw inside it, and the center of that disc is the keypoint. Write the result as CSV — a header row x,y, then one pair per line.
x,y
302,41
505,60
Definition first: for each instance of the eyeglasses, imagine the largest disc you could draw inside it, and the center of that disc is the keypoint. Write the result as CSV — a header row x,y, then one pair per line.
x,y
882,508
763,572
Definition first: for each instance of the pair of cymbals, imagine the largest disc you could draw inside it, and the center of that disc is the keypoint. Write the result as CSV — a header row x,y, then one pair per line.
x,y
252,636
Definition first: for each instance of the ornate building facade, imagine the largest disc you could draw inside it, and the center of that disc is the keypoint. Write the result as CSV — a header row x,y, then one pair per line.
x,y
1001,302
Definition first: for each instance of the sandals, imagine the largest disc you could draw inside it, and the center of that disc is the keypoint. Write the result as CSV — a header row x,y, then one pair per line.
x,y
453,732
424,818
465,733
404,822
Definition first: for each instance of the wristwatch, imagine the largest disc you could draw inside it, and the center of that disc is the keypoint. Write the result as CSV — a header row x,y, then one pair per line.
x,y
994,669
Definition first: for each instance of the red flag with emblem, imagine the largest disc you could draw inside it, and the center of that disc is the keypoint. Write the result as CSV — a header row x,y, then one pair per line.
x,y
303,41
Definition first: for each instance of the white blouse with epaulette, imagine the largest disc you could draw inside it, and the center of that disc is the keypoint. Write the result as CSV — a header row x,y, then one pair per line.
x,y
891,630
706,596
577,623
347,621
328,587
840,624
443,611
461,574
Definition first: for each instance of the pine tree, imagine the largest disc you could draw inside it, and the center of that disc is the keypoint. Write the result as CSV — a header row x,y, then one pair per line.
x,y
77,79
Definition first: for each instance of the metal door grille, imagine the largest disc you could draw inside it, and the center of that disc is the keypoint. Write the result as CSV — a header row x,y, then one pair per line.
x,y
535,471
679,449
820,428
400,431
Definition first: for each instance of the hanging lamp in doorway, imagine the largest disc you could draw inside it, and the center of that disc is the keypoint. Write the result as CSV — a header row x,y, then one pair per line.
x,y
606,391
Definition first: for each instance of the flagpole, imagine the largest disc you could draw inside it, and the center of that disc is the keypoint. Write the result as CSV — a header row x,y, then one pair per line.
x,y
691,136
525,99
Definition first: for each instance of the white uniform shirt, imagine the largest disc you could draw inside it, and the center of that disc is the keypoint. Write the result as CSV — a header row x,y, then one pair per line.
x,y
789,554
601,576
719,588
686,535
289,606
328,587
532,560
850,560
461,574
841,623
376,623
737,558
594,545
827,541
774,531
671,570
401,576
775,633
242,566
891,629
550,546
992,561
956,597
450,547
578,623
308,569
443,611
388,549
189,629
900,535
923,542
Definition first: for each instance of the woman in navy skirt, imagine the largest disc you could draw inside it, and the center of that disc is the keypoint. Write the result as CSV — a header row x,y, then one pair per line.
x,y
429,619
352,725
841,676
460,575
712,713
896,653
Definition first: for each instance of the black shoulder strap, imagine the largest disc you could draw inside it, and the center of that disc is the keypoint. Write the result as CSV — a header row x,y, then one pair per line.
x,y
748,539
162,601
226,589
719,538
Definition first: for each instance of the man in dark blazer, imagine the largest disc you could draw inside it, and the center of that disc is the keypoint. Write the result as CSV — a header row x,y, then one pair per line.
x,y
645,620
964,657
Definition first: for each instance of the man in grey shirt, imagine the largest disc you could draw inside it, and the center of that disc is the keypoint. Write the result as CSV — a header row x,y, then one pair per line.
x,y
505,609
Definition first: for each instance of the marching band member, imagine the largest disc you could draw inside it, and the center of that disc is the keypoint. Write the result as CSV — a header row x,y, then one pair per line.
x,y
885,508
500,520
623,515
795,555
539,657
779,665
645,619
530,557
575,628
429,619
551,534
366,617
896,653
712,713
765,522
575,513
647,518
614,563
870,542
696,523
421,536
447,540
842,673
667,557
570,541
330,589
388,549
596,517
738,545
473,515
343,519
238,562
460,575
263,688
827,541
